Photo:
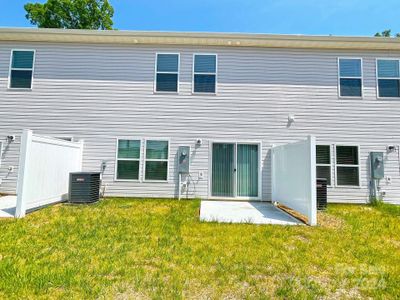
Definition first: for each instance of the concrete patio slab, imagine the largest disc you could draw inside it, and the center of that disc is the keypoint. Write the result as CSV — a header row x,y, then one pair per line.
x,y
7,206
244,212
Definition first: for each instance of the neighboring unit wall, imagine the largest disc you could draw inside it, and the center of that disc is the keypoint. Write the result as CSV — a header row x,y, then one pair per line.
x,y
101,92
9,160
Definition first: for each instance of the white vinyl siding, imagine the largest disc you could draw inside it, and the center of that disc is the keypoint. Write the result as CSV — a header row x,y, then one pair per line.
x,y
350,77
1,152
167,73
388,78
107,91
205,73
21,69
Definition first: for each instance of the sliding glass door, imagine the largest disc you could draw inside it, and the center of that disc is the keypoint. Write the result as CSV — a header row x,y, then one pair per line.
x,y
223,170
235,170
247,170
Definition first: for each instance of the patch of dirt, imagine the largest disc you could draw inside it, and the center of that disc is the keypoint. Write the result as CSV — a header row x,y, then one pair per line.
x,y
124,292
329,221
394,242
195,290
352,293
266,284
322,281
131,294
303,238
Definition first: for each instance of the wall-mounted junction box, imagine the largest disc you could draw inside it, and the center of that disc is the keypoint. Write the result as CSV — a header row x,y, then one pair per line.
x,y
183,159
377,165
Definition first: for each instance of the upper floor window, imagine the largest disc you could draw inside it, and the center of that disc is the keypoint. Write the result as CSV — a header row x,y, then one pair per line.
x,y
21,69
205,73
350,77
167,72
388,78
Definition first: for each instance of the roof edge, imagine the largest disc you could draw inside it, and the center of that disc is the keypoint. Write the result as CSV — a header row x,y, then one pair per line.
x,y
197,39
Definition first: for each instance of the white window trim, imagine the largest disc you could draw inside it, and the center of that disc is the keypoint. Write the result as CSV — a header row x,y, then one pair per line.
x,y
127,159
21,69
177,73
216,74
377,77
350,77
235,142
152,159
352,166
327,165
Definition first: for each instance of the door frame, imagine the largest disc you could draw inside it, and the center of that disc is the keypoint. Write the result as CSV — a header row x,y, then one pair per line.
x,y
235,142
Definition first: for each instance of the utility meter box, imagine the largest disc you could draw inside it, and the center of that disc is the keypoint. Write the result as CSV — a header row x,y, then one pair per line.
x,y
377,165
183,159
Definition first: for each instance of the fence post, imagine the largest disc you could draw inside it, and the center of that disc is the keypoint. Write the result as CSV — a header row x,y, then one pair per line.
x,y
25,151
313,193
81,142
273,196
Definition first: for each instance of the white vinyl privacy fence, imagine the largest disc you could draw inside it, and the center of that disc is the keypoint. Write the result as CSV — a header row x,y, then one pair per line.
x,y
45,164
294,177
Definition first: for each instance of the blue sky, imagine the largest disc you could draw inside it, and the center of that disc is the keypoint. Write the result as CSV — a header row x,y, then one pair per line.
x,y
337,17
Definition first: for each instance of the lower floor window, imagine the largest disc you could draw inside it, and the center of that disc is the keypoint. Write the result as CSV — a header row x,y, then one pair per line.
x,y
128,159
156,162
347,166
323,161
128,169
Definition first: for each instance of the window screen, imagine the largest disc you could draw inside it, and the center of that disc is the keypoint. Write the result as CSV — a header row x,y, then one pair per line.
x,y
156,165
350,77
167,72
388,78
347,166
128,159
21,70
323,161
205,73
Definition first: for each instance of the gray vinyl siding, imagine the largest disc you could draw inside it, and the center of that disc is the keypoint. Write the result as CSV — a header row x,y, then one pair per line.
x,y
101,92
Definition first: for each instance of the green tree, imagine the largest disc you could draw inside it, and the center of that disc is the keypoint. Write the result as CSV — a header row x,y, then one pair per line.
x,y
72,14
386,33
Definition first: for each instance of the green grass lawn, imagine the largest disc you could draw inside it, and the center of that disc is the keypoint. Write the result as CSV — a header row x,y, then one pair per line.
x,y
139,249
